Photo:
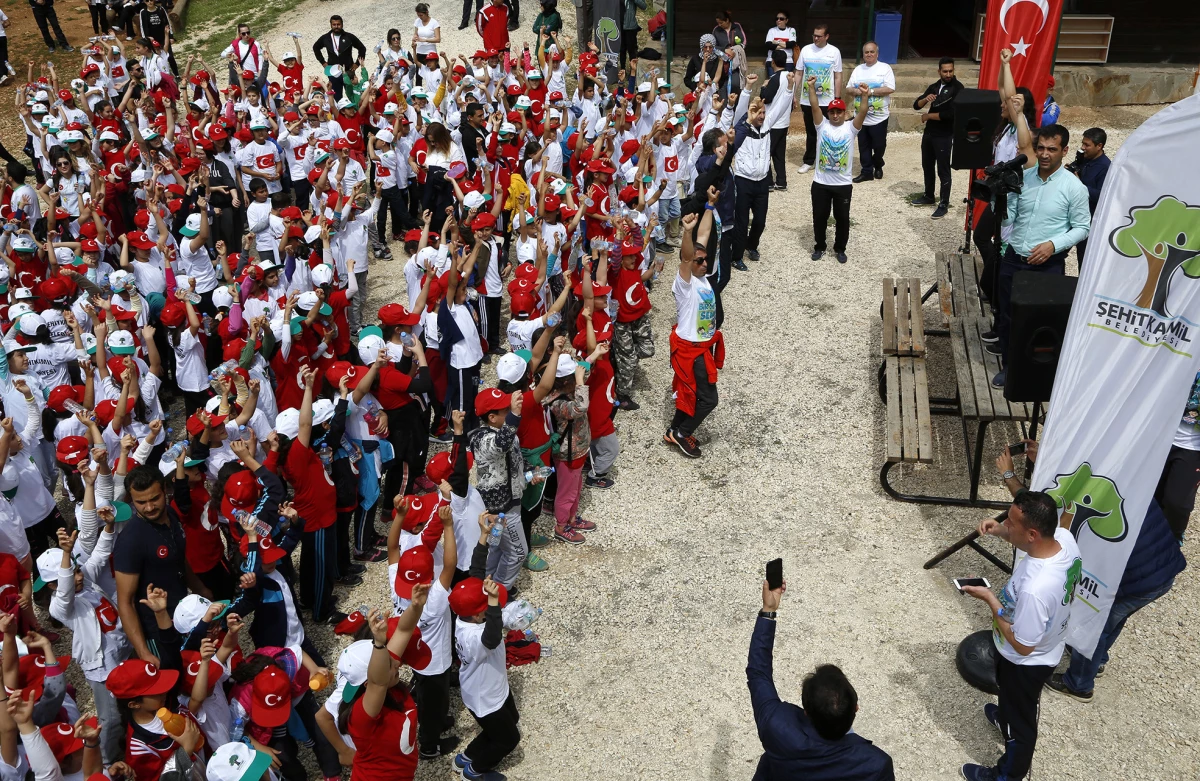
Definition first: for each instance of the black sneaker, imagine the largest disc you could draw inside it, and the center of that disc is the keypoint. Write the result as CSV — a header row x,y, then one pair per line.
x,y
740,265
841,257
355,569
52,49
628,405
865,176
992,348
878,173
371,555
989,336
334,618
687,445
752,254
464,25
599,481
445,746
1057,684
662,248
940,211
349,581
68,47
781,188
923,200
817,254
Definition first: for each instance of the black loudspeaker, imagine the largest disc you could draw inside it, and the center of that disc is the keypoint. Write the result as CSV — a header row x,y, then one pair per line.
x,y
1041,306
976,116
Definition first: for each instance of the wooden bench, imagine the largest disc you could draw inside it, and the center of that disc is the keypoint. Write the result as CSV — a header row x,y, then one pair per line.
x,y
909,431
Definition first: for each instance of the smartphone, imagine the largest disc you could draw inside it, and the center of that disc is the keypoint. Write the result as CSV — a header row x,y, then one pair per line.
x,y
1017,449
774,574
959,583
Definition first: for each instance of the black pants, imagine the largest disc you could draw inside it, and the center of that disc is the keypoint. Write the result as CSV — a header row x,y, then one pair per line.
x,y
99,19
749,197
872,141
810,133
629,45
43,535
4,65
499,736
935,155
318,570
706,402
984,239
302,193
327,757
718,277
1020,693
395,206
1176,491
194,400
491,320
1009,266
468,17
432,693
461,387
46,17
125,22
779,157
1080,251
824,199
345,521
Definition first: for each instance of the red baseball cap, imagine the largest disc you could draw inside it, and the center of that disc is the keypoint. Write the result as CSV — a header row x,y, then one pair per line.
x,y
60,736
339,369
267,549
441,466
394,314
468,597
191,669
173,314
415,566
417,653
106,409
195,425
490,400
271,698
482,221
837,103
135,678
553,202
71,450
140,240
350,624
521,304
242,491
61,394
420,510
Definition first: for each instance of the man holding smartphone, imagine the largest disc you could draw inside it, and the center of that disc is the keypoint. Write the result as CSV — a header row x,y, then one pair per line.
x,y
1029,625
815,740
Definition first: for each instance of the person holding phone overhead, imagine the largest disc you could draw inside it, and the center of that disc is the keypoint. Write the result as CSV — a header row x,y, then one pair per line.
x,y
813,740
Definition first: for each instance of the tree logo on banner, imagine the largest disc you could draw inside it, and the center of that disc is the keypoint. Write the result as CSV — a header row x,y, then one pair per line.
x,y
1091,499
1167,235
608,32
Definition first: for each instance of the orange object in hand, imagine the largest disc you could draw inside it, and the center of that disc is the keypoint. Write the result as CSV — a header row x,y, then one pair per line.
x,y
318,681
175,724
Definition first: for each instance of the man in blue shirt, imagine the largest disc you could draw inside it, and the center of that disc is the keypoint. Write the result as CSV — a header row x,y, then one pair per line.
x,y
814,742
1092,171
1048,218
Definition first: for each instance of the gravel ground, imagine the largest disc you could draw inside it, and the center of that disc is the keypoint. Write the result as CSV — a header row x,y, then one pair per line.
x,y
650,620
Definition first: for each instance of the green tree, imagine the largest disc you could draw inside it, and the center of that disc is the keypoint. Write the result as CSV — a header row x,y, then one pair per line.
x,y
1167,235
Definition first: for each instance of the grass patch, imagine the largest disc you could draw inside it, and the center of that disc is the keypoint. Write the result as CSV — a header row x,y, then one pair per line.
x,y
209,25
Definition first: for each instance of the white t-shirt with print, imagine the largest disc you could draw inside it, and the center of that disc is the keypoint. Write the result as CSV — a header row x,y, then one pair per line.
x,y
435,628
824,63
878,75
697,306
835,153
1038,599
784,38
191,374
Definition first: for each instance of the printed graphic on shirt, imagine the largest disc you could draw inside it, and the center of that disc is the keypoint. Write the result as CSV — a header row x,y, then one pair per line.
x,y
833,155
706,314
824,73
875,102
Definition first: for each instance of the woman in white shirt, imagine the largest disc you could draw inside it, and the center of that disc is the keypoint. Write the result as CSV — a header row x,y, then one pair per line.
x,y
427,32
783,38
441,155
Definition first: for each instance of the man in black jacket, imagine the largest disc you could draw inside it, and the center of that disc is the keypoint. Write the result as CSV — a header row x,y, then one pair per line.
x,y
473,130
338,47
45,16
814,742
937,101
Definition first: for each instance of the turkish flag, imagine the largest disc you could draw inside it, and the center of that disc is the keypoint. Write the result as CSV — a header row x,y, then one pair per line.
x,y
1029,28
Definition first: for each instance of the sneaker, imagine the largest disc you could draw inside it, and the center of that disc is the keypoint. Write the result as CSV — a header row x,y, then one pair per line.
x,y
989,336
781,188
349,581
372,555
68,47
878,173
598,482
999,379
841,257
445,746
548,506
978,772
463,26
740,265
445,438
535,563
1100,669
1056,683
568,535
991,711
865,176
817,254
663,248
4,77
471,774
52,49
387,254
993,348
923,200
355,569
752,254
582,525
539,541
687,445
424,485
628,405
334,618
939,212
805,168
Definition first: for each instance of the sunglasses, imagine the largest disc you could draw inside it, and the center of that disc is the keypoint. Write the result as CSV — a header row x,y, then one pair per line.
x,y
781,18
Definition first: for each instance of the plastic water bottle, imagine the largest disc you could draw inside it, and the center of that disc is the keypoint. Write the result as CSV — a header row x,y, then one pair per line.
x,y
223,370
206,323
530,635
353,451
238,729
261,528
472,294
543,472
371,415
174,451
72,406
553,319
495,532
363,610
193,297
326,454
406,339
239,435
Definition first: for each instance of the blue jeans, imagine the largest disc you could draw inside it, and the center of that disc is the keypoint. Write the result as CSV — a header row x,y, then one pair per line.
x,y
668,207
1081,675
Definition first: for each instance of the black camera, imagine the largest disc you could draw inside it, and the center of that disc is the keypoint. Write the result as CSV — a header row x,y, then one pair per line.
x,y
1076,165
1000,179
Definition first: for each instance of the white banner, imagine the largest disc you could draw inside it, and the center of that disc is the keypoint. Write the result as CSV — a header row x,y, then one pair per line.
x,y
1131,352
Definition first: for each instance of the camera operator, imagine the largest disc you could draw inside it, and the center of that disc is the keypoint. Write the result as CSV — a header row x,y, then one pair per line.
x,y
1048,217
1091,166
814,740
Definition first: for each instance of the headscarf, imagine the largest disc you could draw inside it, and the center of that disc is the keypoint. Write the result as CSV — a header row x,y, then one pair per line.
x,y
708,39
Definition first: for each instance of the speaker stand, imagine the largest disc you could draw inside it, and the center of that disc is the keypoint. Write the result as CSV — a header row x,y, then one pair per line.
x,y
966,245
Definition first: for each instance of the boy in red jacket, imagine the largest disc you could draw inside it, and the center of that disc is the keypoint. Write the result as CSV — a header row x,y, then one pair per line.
x,y
492,25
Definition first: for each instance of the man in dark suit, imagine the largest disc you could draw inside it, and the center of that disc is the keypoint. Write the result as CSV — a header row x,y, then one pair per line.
x,y
937,106
813,742
338,47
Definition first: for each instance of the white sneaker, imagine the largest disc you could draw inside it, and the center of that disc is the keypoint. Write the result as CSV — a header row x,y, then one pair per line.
x,y
805,168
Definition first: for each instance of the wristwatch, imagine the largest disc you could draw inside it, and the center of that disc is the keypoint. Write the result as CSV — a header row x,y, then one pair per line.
x,y
767,614
1008,474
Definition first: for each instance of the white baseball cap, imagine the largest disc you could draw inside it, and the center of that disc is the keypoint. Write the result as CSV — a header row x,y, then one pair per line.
x,y
18,309
385,136
121,343
321,275
63,255
191,226
473,200
312,234
30,323
345,102
322,411
566,366
368,348
287,423
508,128
523,102
289,55
222,298
645,86
188,612
238,762
109,135
511,367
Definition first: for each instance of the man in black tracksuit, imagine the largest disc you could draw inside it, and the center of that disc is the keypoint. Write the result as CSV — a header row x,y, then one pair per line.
x,y
46,17
937,101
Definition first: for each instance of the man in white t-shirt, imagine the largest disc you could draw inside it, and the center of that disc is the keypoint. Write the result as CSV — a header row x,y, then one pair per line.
x,y
822,60
697,349
881,82
832,186
1029,624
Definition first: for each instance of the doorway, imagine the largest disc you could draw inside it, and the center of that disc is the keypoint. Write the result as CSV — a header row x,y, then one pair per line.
x,y
942,28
